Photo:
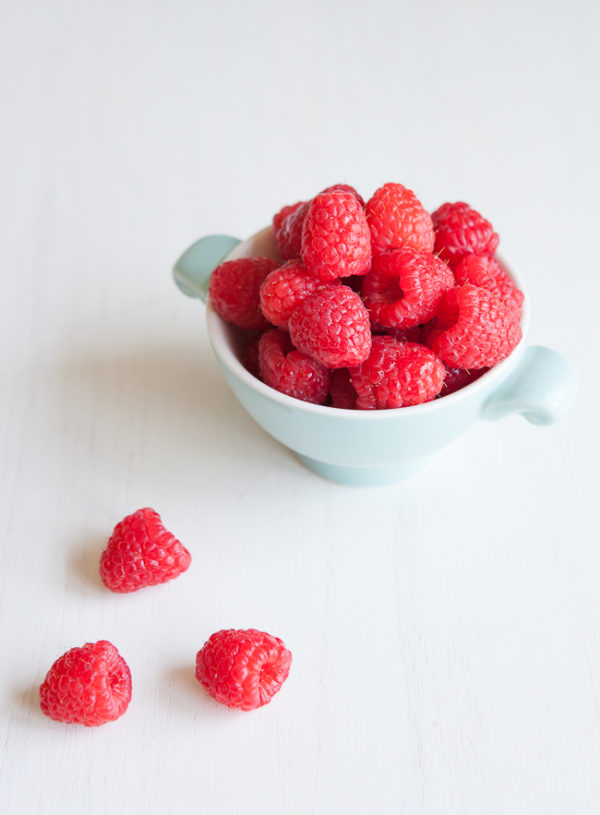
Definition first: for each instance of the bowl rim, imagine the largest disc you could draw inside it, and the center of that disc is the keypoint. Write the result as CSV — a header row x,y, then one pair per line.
x,y
217,332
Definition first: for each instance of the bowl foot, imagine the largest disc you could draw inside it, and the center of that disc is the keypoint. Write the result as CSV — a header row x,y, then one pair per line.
x,y
365,476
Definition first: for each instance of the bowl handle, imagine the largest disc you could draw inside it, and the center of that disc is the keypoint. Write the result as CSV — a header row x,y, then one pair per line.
x,y
542,388
193,269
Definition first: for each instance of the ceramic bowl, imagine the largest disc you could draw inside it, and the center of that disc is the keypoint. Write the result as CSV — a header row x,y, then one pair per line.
x,y
366,448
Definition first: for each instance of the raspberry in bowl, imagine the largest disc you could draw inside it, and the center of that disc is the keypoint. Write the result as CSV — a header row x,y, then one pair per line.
x,y
362,344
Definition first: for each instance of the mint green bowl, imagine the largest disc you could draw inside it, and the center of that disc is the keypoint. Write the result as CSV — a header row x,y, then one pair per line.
x,y
368,448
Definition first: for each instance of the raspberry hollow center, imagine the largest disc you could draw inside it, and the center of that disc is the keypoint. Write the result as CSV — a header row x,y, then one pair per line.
x,y
448,311
267,674
392,291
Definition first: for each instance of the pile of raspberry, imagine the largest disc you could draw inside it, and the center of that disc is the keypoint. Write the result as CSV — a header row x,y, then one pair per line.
x,y
372,305
91,684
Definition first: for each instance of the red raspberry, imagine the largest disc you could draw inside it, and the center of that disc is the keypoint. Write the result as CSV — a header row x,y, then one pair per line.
x,y
345,188
487,273
288,222
250,356
243,669
90,685
396,219
284,289
280,216
462,231
234,291
474,328
458,378
341,391
141,552
290,371
397,374
287,225
335,237
333,327
404,287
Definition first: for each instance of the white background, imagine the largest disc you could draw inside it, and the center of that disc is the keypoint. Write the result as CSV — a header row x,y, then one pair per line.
x,y
445,632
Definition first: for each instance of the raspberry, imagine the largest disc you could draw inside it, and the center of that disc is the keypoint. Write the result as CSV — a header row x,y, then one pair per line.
x,y
397,218
397,374
287,225
284,289
458,378
234,291
404,287
333,327
487,273
474,328
280,216
243,669
346,188
141,552
462,231
335,237
341,391
90,685
288,222
290,371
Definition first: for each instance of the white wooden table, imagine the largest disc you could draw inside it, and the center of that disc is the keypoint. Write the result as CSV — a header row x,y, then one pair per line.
x,y
445,632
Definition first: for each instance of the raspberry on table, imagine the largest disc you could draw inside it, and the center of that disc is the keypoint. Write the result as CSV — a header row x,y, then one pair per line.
x,y
290,371
404,287
397,374
487,273
474,328
284,289
461,231
234,291
396,219
90,685
287,225
341,391
333,327
140,553
335,236
243,669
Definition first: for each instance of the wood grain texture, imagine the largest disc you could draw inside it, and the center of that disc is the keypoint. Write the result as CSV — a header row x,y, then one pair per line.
x,y
445,632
